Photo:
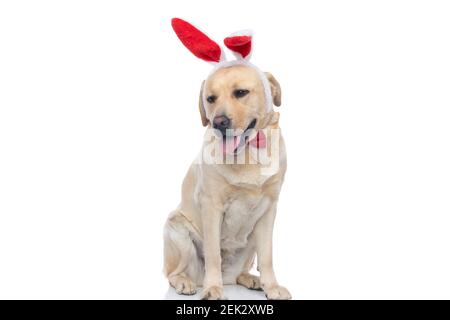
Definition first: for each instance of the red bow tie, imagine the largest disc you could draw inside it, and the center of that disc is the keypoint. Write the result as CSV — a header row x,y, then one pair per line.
x,y
259,141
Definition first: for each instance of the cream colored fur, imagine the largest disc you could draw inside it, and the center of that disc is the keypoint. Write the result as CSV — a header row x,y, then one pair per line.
x,y
227,211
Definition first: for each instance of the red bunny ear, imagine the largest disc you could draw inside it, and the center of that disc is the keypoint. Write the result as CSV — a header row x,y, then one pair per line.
x,y
196,41
240,43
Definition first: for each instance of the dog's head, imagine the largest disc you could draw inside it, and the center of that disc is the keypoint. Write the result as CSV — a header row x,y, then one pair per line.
x,y
232,101
237,98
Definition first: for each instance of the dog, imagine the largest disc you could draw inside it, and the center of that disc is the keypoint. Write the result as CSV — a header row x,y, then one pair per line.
x,y
227,210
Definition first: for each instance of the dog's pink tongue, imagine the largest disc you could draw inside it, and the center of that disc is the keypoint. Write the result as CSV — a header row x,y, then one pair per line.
x,y
229,144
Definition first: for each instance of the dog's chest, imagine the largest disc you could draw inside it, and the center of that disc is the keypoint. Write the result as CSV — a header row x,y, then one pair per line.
x,y
241,214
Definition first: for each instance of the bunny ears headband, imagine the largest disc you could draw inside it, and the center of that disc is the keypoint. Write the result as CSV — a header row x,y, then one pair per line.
x,y
240,43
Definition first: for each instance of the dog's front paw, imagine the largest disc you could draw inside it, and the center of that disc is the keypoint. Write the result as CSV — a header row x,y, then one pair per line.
x,y
277,293
213,293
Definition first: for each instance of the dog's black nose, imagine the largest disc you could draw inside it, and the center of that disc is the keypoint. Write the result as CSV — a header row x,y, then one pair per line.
x,y
222,123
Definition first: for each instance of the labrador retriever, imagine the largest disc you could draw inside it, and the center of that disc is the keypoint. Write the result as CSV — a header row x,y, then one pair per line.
x,y
227,210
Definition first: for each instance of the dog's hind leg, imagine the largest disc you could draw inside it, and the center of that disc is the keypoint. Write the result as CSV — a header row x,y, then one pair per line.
x,y
182,264
182,284
246,279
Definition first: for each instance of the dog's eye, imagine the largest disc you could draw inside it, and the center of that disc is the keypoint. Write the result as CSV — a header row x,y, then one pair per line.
x,y
239,93
211,99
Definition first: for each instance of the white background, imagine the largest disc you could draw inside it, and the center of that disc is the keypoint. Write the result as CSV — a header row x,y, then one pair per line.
x,y
99,123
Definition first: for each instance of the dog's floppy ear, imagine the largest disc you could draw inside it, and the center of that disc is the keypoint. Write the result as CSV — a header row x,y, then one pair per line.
x,y
201,107
275,88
